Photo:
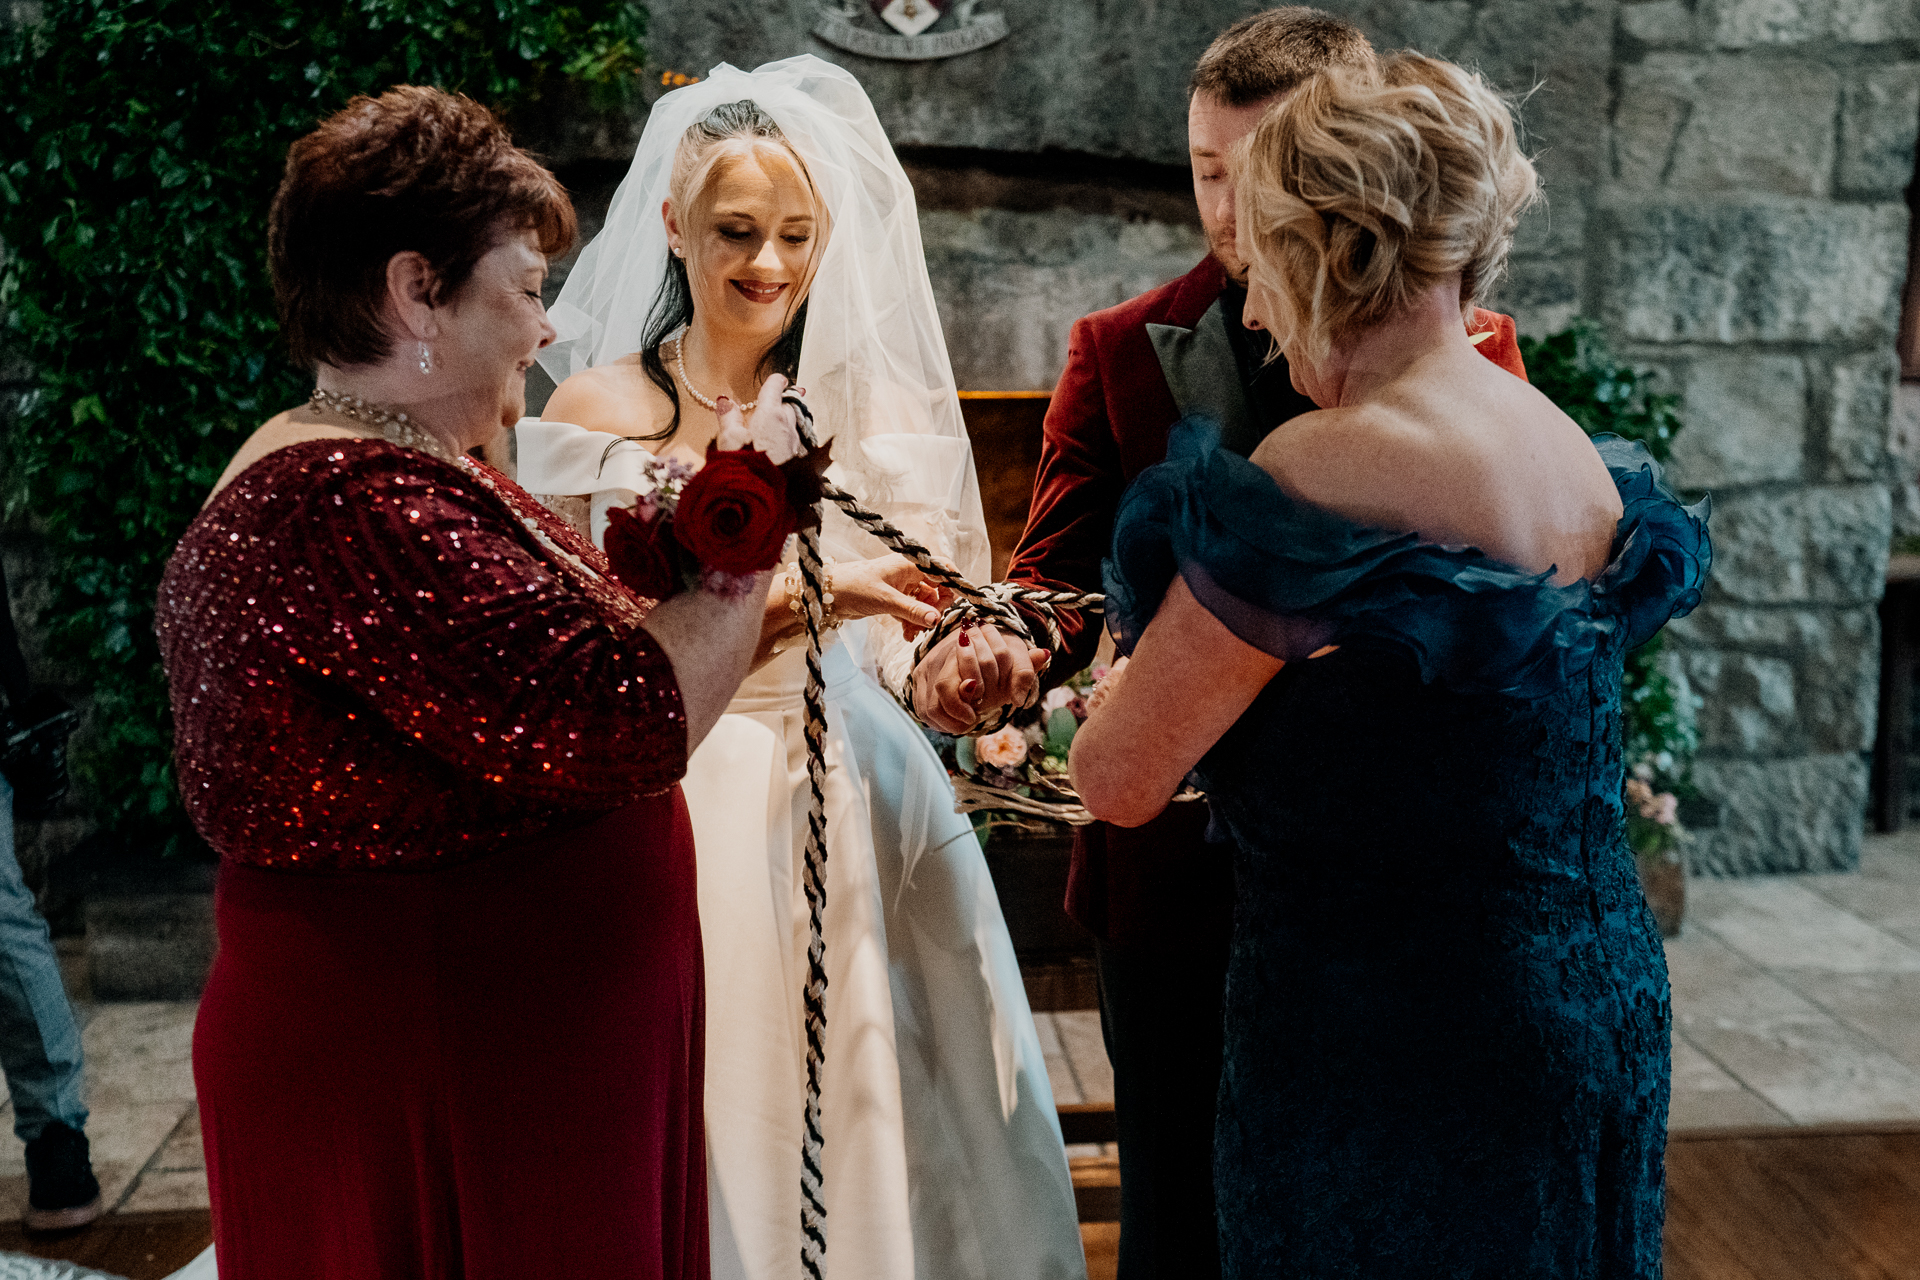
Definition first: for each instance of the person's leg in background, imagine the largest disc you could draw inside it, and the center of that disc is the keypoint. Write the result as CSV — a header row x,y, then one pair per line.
x,y
40,1050
1163,979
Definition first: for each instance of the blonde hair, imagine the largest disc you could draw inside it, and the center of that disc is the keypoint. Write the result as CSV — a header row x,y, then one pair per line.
x,y
1360,191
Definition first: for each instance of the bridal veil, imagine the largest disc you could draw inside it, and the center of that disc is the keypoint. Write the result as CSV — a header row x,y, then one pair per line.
x,y
873,359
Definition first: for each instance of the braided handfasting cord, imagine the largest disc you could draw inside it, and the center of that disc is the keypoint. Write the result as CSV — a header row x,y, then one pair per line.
x,y
992,603
813,1200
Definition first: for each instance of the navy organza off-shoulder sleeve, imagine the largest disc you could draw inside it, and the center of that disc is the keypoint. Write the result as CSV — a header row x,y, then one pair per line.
x,y
1288,577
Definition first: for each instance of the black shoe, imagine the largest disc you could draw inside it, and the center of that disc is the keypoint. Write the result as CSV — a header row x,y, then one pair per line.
x,y
62,1192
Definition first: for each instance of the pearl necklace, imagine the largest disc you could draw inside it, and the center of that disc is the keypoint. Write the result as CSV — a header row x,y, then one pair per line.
x,y
680,367
394,426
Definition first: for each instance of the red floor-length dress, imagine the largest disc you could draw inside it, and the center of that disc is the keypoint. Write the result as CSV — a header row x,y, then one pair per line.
x,y
454,1027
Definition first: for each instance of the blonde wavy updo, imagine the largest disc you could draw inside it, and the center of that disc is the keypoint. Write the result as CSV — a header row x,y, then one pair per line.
x,y
1360,191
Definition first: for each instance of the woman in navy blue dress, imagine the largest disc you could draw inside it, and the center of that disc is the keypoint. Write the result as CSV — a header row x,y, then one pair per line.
x,y
1389,646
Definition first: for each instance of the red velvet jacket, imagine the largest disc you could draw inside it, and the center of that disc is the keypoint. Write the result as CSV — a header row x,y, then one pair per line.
x,y
1108,421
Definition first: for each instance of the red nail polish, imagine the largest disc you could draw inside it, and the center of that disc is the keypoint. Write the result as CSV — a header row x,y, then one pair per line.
x,y
722,404
965,639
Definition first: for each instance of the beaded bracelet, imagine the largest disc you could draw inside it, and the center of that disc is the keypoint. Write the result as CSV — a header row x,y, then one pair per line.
x,y
795,604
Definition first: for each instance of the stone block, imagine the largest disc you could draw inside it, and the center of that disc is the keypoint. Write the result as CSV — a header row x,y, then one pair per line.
x,y
1798,634
1541,294
1010,285
1746,24
1646,124
1879,127
1747,701
1439,27
1858,416
1780,682
1815,545
1562,45
1727,124
1754,271
1556,227
1663,24
1794,815
1875,21
1743,24
1746,421
1903,443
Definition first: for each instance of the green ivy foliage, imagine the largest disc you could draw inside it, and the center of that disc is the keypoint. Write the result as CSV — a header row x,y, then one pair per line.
x,y
1575,370
142,142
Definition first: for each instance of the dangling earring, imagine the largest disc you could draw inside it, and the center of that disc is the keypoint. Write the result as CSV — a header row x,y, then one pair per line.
x,y
426,359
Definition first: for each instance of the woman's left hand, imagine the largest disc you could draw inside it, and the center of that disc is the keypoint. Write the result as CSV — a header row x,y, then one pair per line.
x,y
889,586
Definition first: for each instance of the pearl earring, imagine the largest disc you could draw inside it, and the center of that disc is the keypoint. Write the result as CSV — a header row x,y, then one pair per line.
x,y
426,359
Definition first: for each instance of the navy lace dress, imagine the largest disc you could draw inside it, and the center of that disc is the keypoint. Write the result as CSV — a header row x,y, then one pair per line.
x,y
1447,1008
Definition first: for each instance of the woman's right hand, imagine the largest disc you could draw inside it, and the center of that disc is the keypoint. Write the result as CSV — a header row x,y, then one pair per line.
x,y
888,586
774,428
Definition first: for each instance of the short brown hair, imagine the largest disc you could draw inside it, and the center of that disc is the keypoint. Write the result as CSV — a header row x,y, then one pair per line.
x,y
1361,191
414,169
1275,52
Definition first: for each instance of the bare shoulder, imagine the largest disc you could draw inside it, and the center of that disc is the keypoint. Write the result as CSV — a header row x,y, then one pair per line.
x,y
294,426
1336,458
618,398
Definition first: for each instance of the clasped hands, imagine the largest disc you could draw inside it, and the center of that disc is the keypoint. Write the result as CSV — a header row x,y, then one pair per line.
x,y
972,674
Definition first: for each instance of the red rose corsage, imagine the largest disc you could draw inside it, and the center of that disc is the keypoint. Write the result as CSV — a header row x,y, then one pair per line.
x,y
716,529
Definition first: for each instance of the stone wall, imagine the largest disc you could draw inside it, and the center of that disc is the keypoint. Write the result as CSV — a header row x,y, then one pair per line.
x,y
1752,245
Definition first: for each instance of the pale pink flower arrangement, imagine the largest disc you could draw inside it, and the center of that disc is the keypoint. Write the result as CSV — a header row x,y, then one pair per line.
x,y
1003,749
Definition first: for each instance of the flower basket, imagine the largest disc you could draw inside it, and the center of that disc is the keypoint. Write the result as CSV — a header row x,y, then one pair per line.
x,y
1659,853
1022,768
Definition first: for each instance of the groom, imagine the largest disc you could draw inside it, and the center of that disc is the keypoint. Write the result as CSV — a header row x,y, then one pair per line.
x,y
1159,898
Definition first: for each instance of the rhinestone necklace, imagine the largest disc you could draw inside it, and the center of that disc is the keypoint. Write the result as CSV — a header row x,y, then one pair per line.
x,y
394,426
680,367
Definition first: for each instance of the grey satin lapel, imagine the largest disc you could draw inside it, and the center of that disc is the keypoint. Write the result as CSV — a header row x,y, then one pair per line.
x,y
1204,377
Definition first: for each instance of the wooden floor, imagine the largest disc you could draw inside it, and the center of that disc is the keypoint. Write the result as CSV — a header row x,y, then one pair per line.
x,y
141,1246
1834,1203
1838,1203
1841,1203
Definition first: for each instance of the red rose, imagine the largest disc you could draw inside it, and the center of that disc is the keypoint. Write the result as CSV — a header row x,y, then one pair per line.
x,y
733,515
642,554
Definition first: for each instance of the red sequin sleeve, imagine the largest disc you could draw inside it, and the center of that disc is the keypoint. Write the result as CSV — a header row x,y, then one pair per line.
x,y
456,623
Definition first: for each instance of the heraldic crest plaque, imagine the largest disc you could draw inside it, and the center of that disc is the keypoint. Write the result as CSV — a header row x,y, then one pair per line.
x,y
957,27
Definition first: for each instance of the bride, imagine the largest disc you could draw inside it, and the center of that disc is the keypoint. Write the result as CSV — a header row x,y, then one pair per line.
x,y
767,227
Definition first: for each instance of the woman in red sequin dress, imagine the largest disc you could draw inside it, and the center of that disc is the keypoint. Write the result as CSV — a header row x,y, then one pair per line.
x,y
455,1023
